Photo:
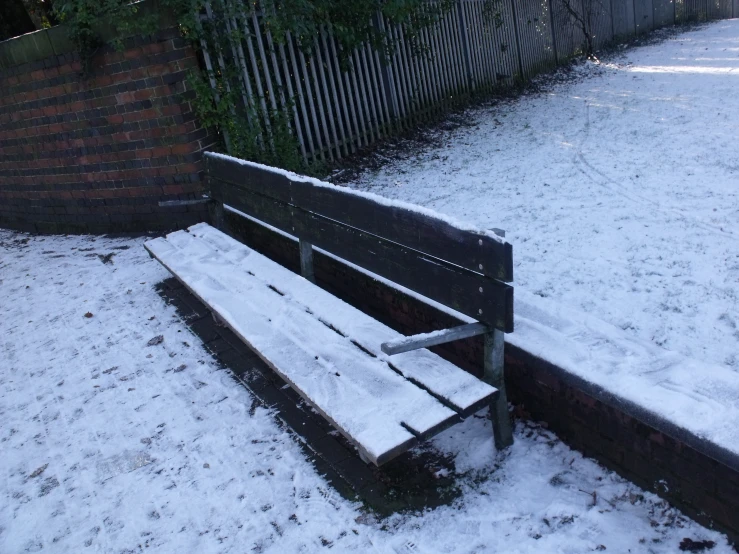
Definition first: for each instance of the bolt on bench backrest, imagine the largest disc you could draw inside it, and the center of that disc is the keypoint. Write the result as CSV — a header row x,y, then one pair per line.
x,y
461,268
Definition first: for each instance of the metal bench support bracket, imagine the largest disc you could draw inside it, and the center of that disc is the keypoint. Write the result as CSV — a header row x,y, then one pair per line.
x,y
494,375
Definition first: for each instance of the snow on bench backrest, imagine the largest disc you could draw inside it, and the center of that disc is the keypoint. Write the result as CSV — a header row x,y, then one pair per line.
x,y
445,260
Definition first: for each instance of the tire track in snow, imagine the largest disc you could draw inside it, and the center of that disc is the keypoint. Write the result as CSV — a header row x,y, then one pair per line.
x,y
618,189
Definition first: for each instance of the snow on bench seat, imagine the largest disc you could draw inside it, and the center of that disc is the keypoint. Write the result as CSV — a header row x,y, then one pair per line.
x,y
327,350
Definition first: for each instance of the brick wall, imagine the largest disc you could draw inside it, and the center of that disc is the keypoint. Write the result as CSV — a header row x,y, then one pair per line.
x,y
97,153
696,476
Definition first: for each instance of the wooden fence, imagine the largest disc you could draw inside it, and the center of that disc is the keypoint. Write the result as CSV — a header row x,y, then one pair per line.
x,y
333,110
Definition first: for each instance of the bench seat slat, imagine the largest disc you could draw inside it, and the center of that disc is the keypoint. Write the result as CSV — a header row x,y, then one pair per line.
x,y
372,405
454,387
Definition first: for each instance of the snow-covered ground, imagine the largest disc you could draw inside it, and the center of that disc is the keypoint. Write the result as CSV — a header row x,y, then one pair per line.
x,y
119,445
620,195
620,192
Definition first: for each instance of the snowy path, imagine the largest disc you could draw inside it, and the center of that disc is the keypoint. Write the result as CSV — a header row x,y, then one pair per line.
x,y
620,193
122,446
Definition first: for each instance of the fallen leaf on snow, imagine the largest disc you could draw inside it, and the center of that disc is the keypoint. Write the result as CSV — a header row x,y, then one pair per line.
x,y
689,545
38,471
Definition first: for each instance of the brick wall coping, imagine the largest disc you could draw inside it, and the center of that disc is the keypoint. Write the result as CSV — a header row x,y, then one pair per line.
x,y
705,446
670,392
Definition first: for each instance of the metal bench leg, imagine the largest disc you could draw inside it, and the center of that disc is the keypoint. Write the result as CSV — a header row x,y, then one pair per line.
x,y
217,217
494,363
217,319
306,260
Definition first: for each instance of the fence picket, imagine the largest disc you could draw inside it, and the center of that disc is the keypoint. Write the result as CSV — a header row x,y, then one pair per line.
x,y
334,109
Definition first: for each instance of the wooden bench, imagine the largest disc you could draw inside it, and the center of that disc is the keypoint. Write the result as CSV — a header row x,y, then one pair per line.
x,y
383,391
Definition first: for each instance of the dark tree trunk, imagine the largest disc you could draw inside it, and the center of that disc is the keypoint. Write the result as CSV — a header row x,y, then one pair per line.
x,y
14,19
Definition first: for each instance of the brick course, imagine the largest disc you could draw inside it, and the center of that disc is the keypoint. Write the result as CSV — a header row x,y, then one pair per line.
x,y
97,153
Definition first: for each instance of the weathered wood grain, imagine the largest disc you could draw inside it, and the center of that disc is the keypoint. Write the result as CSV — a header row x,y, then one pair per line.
x,y
472,250
486,299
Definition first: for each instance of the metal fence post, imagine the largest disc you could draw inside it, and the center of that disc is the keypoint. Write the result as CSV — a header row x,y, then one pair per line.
x,y
217,217
306,260
494,375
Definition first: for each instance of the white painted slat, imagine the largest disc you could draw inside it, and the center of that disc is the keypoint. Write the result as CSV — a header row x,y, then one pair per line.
x,y
458,389
372,405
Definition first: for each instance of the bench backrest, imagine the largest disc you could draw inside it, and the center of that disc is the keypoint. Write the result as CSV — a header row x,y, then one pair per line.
x,y
459,267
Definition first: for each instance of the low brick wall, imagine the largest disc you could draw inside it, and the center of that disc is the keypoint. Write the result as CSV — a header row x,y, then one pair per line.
x,y
694,475
96,153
